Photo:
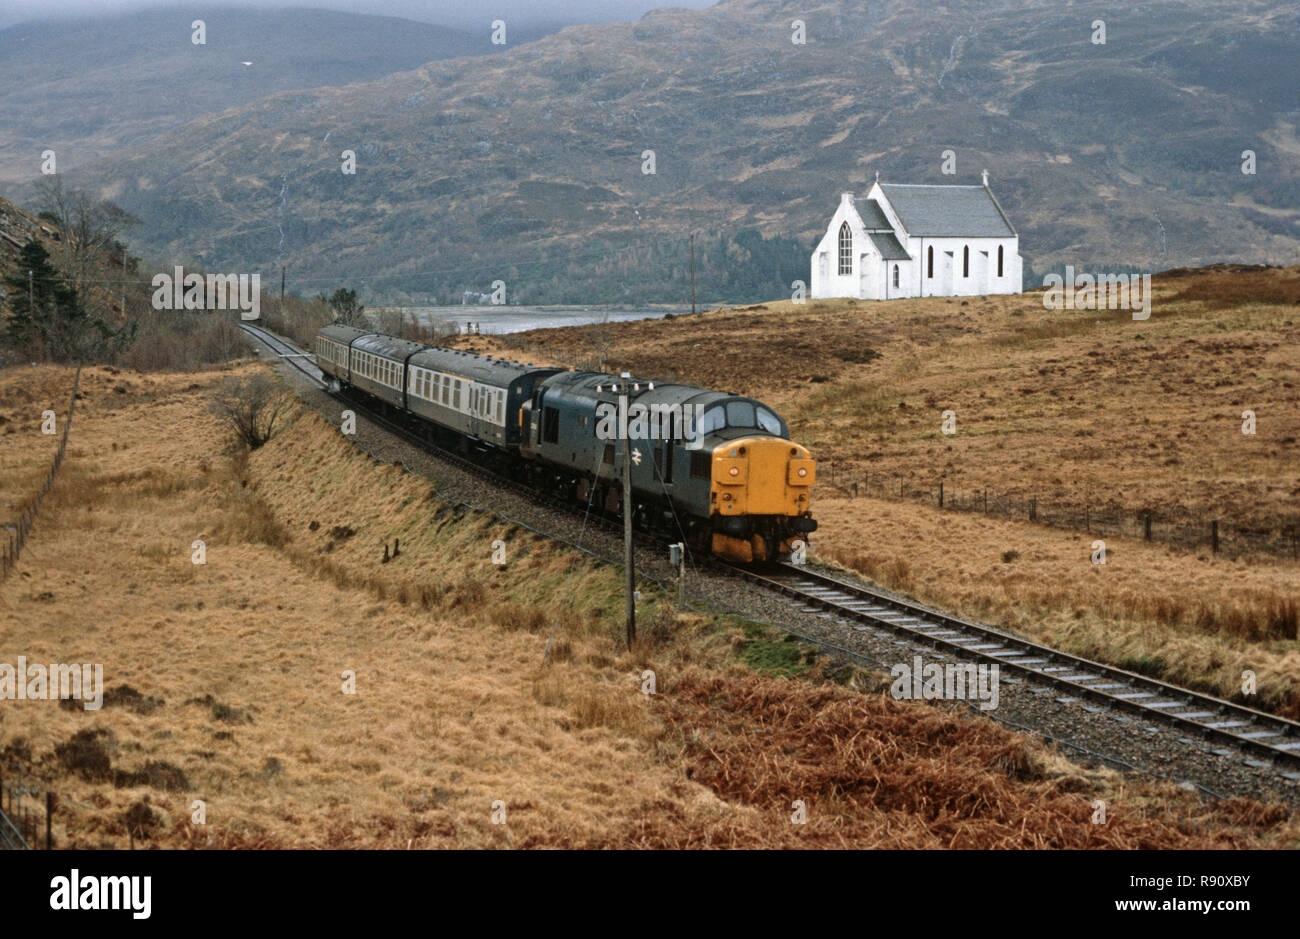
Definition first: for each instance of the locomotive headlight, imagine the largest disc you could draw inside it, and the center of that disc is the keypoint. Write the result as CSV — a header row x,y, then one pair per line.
x,y
802,471
734,471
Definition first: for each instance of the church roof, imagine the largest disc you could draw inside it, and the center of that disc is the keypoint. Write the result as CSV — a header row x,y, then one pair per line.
x,y
888,245
873,216
947,211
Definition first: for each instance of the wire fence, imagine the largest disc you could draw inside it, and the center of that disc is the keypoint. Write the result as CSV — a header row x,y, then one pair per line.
x,y
16,532
1279,538
26,810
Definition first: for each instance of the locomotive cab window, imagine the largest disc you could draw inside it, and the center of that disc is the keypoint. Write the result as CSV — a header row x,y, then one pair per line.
x,y
714,419
740,414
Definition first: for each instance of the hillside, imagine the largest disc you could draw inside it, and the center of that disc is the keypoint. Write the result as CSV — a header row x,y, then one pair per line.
x,y
87,88
526,166
17,227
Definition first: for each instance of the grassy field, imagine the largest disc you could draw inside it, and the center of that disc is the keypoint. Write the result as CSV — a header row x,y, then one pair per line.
x,y
474,684
1078,409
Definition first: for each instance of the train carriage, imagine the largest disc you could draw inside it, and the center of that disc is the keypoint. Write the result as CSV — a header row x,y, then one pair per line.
x,y
334,350
475,395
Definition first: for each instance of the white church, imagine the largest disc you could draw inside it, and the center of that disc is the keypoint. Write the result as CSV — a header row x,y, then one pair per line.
x,y
917,241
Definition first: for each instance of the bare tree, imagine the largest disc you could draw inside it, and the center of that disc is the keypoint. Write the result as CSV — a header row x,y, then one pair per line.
x,y
253,408
600,337
89,230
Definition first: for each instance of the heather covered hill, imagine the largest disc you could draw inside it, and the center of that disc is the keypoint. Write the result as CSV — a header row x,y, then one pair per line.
x,y
89,87
527,166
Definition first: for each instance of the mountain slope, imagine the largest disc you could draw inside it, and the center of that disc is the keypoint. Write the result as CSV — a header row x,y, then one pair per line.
x,y
527,166
88,87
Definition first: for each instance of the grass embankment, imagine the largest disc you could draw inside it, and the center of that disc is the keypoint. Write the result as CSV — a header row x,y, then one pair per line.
x,y
226,680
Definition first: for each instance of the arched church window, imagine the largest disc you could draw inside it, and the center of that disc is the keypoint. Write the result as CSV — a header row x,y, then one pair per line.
x,y
846,249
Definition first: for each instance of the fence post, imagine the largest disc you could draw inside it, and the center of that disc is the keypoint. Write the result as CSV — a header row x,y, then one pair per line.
x,y
941,493
1214,536
1033,508
49,820
1146,526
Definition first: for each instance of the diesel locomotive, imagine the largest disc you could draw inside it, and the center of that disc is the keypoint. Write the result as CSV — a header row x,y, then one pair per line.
x,y
715,468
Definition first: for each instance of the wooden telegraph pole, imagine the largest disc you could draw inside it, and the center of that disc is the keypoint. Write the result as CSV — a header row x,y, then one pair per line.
x,y
692,272
624,387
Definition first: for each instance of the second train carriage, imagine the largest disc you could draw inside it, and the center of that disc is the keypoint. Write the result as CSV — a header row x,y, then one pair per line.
x,y
475,396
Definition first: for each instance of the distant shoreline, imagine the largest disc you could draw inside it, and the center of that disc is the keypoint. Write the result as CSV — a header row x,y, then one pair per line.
x,y
500,320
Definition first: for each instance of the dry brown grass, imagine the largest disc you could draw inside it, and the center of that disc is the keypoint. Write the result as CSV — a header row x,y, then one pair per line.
x,y
1199,620
875,773
474,683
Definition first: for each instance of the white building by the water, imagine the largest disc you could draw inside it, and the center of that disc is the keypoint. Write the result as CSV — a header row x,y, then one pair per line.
x,y
917,241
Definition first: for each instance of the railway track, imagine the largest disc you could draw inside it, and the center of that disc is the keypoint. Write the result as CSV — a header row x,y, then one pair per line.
x,y
1256,732
860,608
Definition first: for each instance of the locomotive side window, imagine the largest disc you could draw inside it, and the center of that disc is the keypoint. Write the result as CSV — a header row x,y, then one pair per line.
x,y
769,421
713,420
701,464
550,425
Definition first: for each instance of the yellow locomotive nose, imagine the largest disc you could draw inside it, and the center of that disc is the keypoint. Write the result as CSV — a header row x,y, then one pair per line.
x,y
762,476
761,487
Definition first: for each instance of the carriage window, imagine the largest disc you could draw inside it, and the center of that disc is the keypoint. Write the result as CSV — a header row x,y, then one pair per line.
x,y
455,393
